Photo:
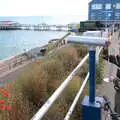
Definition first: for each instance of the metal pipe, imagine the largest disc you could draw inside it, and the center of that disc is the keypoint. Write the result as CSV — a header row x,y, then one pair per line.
x,y
41,112
100,50
97,41
78,94
92,82
76,99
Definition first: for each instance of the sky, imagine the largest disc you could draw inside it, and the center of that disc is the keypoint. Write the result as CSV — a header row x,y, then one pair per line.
x,y
58,11
43,7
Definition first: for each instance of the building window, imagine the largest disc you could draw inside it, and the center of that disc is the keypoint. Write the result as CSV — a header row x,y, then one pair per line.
x,y
96,6
93,17
117,5
117,15
108,6
114,5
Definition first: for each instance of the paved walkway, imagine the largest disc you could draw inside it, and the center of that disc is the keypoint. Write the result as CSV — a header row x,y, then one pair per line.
x,y
107,89
12,74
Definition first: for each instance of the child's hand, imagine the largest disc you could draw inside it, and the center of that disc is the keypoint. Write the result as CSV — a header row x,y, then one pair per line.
x,y
108,43
105,52
112,78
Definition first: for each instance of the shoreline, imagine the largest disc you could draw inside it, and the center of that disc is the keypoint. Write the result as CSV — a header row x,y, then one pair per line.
x,y
32,50
14,61
19,59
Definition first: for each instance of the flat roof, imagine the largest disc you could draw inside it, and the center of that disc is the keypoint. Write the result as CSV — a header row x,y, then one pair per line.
x,y
7,22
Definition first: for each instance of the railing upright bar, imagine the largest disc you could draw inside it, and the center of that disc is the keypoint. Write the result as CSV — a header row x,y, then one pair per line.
x,y
78,94
41,112
100,50
76,99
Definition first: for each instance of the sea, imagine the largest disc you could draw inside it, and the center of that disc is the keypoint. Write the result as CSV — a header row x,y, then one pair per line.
x,y
14,42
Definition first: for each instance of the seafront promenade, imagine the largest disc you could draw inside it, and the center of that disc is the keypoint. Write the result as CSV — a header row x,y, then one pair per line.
x,y
107,89
12,65
11,68
18,60
12,62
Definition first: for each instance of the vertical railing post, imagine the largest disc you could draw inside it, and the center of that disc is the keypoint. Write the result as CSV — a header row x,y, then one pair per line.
x,y
92,74
91,108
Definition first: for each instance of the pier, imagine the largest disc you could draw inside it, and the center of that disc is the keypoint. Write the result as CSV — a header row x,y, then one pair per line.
x,y
10,25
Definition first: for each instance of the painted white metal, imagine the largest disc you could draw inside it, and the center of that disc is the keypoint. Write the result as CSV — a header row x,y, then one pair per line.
x,y
76,99
98,50
41,112
97,54
96,41
93,33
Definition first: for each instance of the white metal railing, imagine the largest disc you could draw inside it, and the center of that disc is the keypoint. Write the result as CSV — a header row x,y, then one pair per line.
x,y
55,95
41,112
76,99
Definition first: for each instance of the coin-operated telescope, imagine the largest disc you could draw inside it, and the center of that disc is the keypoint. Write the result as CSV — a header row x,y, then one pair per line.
x,y
91,107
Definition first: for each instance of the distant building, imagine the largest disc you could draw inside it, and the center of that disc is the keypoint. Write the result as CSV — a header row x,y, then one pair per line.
x,y
9,25
73,27
8,22
104,10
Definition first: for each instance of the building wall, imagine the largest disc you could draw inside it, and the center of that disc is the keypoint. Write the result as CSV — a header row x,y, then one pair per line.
x,y
104,10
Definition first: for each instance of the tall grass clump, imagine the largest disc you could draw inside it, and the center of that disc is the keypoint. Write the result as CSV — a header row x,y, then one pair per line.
x,y
54,73
33,85
68,57
41,78
19,108
99,71
81,50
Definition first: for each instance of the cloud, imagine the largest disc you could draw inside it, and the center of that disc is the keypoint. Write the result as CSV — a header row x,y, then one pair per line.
x,y
43,7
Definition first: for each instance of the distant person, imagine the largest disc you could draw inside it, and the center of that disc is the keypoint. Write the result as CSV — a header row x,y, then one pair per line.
x,y
119,34
43,51
115,59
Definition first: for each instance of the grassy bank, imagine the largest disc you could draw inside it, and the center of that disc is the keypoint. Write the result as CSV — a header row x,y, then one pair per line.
x,y
56,42
40,79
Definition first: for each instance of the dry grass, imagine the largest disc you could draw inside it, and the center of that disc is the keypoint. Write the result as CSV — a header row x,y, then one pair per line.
x,y
21,109
81,50
72,89
39,81
68,57
54,73
33,85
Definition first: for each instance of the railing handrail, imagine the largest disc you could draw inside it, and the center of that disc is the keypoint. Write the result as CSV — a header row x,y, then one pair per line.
x,y
41,112
76,98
